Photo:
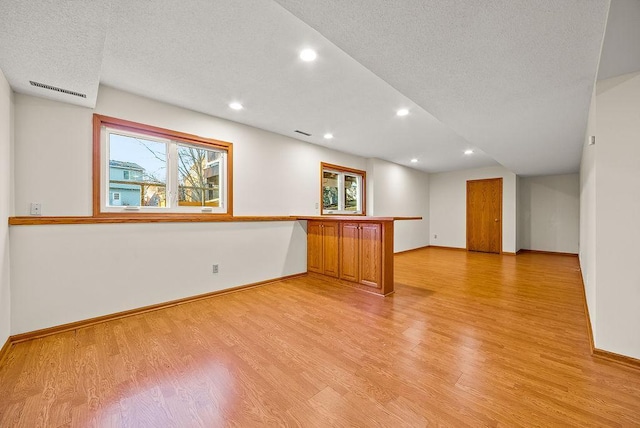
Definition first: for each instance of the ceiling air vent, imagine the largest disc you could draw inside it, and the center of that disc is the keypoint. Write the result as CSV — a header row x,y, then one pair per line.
x,y
303,133
53,88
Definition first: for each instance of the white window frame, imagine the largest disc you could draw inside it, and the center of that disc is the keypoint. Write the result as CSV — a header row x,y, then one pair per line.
x,y
172,184
359,175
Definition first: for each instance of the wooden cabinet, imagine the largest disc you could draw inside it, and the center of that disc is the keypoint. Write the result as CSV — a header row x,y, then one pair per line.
x,y
350,252
314,247
358,253
361,253
322,247
371,255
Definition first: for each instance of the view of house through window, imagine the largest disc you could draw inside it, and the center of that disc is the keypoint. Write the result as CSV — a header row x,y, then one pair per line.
x,y
137,171
157,173
342,190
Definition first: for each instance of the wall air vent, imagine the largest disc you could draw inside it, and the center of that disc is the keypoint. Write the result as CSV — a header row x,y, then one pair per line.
x,y
303,133
53,88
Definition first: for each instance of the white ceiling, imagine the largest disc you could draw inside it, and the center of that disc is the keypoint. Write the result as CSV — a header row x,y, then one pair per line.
x,y
53,42
509,79
621,47
513,77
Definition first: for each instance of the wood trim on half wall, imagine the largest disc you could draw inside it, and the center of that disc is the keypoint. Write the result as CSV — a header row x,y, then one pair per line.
x,y
186,218
167,218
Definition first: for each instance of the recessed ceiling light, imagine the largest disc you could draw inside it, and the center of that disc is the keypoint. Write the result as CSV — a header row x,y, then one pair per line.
x,y
236,106
328,136
308,55
402,112
468,152
414,160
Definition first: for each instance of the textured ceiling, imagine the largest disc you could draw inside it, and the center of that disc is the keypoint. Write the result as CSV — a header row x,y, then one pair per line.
x,y
212,53
58,43
512,77
509,79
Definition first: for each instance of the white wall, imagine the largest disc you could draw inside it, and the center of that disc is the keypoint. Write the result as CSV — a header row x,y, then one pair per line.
x,y
549,214
6,126
448,206
62,274
618,215
519,215
273,174
65,273
396,190
588,216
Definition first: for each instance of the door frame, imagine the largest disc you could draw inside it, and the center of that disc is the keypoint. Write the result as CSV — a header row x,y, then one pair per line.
x,y
501,208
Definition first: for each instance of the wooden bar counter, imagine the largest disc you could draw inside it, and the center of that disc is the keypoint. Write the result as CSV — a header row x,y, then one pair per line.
x,y
353,250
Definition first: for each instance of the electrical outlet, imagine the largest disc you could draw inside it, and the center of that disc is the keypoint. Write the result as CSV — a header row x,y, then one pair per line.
x,y
215,269
36,209
317,205
435,236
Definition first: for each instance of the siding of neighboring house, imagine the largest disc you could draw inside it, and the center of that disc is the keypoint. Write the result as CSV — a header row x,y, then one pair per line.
x,y
129,193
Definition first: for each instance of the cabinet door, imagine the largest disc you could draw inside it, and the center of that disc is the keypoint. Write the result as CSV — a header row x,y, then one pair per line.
x,y
330,234
371,254
349,249
314,246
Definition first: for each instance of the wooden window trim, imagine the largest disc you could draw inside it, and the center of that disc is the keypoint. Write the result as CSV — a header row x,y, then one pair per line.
x,y
323,166
125,125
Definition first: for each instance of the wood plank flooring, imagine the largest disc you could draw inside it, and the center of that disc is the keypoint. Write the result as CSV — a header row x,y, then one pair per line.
x,y
468,339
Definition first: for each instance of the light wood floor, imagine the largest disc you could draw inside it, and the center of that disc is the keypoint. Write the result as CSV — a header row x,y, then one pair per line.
x,y
467,340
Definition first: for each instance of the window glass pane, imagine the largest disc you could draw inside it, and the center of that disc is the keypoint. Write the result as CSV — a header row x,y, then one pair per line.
x,y
350,193
137,171
329,190
198,176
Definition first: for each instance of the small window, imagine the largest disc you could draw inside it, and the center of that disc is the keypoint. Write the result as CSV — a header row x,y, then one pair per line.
x,y
157,171
342,190
115,198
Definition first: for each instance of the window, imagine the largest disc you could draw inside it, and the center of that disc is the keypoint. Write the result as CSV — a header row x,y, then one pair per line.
x,y
140,169
342,190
